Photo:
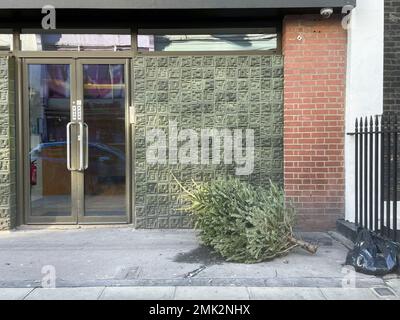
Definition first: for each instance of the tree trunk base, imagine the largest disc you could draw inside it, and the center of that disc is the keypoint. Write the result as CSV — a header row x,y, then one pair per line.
x,y
304,245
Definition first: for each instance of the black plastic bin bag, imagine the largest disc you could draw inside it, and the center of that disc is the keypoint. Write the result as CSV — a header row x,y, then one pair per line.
x,y
373,255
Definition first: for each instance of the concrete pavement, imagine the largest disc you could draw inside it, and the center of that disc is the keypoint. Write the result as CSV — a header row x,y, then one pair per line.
x,y
109,257
198,293
122,263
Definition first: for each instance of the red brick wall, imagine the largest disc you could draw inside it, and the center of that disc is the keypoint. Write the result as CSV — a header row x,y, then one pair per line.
x,y
315,66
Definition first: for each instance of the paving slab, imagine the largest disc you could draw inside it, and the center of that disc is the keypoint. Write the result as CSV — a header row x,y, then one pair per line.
x,y
197,293
394,284
106,257
81,293
349,294
211,293
257,293
94,257
14,293
326,281
138,293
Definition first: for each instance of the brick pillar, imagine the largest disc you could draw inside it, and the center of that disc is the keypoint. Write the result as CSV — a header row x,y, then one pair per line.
x,y
391,87
314,93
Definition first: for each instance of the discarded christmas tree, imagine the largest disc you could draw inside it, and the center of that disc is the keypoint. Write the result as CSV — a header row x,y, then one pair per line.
x,y
241,222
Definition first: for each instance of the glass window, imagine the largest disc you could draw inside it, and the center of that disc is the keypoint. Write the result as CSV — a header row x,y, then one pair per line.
x,y
49,87
5,42
75,42
204,41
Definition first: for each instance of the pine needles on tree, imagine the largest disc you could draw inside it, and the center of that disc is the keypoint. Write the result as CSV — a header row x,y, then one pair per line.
x,y
241,222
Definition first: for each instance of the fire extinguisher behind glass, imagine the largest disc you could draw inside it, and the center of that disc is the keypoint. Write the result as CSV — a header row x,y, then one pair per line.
x,y
33,173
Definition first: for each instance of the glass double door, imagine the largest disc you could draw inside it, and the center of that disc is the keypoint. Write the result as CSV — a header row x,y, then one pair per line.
x,y
76,141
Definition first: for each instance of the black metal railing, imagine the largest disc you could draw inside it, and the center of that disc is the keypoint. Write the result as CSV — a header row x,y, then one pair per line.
x,y
376,177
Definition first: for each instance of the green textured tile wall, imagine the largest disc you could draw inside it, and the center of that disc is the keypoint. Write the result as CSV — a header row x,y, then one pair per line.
x,y
7,144
233,92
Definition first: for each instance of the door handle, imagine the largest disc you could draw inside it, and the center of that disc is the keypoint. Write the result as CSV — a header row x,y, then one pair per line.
x,y
81,147
87,146
69,166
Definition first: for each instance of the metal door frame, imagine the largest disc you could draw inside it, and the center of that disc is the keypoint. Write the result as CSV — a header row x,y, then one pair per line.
x,y
26,145
82,219
77,187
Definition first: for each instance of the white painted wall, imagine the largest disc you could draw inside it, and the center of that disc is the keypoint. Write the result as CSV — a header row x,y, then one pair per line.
x,y
364,86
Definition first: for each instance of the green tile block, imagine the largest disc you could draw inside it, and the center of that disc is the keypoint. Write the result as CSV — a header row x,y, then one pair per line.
x,y
204,92
232,61
163,222
139,73
197,61
174,73
186,61
255,61
220,61
151,73
151,199
266,61
162,62
152,223
151,62
163,199
208,61
151,85
162,188
174,62
197,74
140,211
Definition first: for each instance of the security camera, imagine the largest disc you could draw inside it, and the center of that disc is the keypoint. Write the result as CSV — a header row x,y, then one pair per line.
x,y
326,12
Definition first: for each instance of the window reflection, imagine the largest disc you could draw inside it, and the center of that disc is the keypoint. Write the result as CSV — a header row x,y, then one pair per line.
x,y
104,113
6,42
208,42
49,113
75,42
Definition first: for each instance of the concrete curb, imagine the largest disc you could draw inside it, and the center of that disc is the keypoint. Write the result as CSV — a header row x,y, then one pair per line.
x,y
293,282
195,293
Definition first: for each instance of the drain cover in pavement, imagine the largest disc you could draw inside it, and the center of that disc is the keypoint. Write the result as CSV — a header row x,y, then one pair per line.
x,y
127,273
384,292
